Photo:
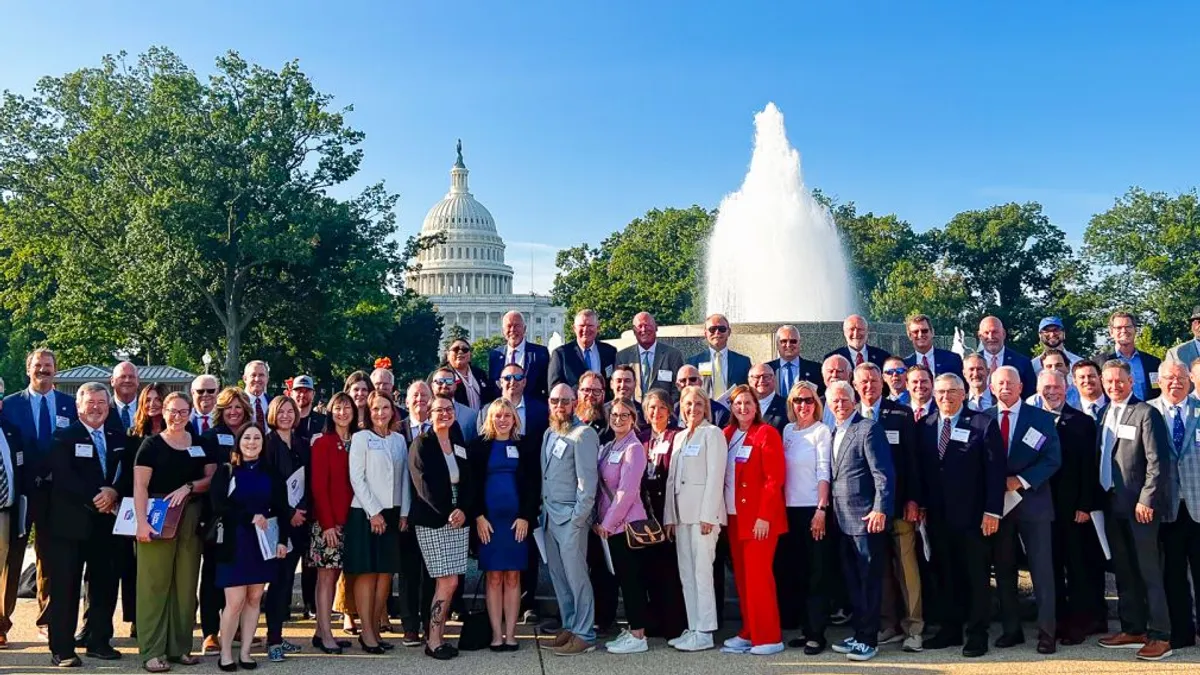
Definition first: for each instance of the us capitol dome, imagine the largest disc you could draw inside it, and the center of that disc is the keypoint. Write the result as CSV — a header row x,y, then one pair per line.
x,y
466,278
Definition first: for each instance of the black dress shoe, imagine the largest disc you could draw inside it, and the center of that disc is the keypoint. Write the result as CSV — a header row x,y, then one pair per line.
x,y
387,646
1009,640
497,648
444,652
104,653
1045,644
68,661
814,647
370,650
230,667
512,647
975,647
247,665
81,640
944,640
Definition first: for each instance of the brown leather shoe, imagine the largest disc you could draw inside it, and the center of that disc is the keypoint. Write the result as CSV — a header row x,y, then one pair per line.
x,y
574,647
1123,641
1046,644
1155,650
564,636
210,646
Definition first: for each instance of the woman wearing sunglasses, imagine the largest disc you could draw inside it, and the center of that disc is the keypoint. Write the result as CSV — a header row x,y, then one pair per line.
x,y
474,389
804,552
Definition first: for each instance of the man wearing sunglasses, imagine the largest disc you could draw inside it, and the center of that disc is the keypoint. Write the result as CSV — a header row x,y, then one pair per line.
x,y
573,359
720,367
934,359
857,351
689,376
533,358
204,403
895,374
654,363
789,368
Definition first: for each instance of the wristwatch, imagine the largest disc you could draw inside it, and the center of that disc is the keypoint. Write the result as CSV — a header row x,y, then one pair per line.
x,y
190,486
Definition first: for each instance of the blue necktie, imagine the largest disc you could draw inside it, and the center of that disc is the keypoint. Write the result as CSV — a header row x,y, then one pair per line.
x,y
125,421
789,378
587,354
1177,431
45,430
101,452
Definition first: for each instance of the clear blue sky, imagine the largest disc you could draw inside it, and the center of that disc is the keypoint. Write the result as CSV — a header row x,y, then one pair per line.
x,y
579,116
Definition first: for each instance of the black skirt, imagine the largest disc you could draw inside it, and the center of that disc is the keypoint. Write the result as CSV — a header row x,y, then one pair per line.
x,y
365,552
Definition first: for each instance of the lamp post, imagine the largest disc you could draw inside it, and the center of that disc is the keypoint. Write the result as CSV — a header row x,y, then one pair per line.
x,y
206,360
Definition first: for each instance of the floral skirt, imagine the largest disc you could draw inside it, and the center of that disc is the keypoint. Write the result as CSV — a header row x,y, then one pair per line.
x,y
322,555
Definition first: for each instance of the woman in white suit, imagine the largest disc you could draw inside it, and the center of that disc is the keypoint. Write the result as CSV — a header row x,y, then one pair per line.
x,y
694,513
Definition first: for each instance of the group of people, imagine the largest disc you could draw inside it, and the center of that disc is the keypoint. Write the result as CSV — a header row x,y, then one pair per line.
x,y
870,489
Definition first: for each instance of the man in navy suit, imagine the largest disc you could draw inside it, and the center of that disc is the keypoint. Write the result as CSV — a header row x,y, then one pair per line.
x,y
720,367
857,351
37,412
937,360
585,354
654,363
863,503
533,358
771,404
964,467
1122,328
1031,443
789,367
991,346
12,546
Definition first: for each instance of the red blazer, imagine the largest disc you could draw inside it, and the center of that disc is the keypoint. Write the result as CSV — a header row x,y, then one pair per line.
x,y
759,481
331,491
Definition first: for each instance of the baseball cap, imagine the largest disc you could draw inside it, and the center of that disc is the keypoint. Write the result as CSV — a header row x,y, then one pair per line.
x,y
302,382
1050,321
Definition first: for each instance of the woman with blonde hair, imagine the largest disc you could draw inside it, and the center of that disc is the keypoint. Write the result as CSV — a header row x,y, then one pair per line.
x,y
503,508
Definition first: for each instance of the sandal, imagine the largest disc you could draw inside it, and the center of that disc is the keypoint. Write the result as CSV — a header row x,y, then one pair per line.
x,y
185,660
156,665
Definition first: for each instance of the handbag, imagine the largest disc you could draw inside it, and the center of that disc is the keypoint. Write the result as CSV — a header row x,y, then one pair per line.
x,y
643,533
476,631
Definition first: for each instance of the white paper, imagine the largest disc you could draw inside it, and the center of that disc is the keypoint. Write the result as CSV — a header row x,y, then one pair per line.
x,y
925,541
661,447
615,457
268,539
893,436
1127,432
560,446
1154,380
539,538
1098,523
126,525
960,434
664,376
61,421
608,371
607,555
21,455
1011,499
83,450
295,486
460,451
225,439
1033,438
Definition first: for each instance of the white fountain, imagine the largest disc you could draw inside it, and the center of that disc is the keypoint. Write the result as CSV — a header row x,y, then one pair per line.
x,y
774,253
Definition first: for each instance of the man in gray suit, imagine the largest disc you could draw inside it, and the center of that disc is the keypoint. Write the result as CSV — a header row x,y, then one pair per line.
x,y
1180,534
1133,442
1187,352
654,363
1030,439
570,450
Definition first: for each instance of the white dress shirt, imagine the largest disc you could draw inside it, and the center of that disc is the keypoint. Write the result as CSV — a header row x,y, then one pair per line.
x,y
854,355
808,455
131,406
764,403
1112,420
212,420
928,356
1086,406
1013,412
987,358
515,354
839,435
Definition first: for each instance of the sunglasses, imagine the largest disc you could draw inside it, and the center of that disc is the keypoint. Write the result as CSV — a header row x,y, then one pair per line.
x,y
443,380
920,331
895,371
461,350
689,380
561,401
717,329
804,400
204,392
515,377
789,342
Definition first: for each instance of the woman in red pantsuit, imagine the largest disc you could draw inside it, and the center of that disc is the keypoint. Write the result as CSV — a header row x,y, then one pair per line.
x,y
754,479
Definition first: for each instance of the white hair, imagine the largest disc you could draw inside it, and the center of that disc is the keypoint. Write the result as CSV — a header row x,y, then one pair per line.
x,y
1062,379
1005,369
954,380
840,385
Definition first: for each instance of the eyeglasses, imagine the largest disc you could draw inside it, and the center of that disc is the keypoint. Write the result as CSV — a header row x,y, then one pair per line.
x,y
204,392
788,341
620,416
920,331
461,350
717,329
443,380
761,377
804,400
561,401
895,371
591,390
515,377
442,411
177,412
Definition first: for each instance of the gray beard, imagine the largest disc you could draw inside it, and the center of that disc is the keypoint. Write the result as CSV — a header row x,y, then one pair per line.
x,y
562,427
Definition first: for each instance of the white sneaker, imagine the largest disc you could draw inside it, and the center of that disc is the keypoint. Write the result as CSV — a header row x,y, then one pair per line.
x,y
739,643
619,640
674,642
767,650
698,641
631,644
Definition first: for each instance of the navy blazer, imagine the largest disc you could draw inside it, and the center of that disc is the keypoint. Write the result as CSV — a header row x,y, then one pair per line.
x,y
1075,486
970,481
1150,364
776,413
78,479
809,370
1035,465
874,355
898,425
1024,366
737,364
537,363
567,365
16,459
863,475
18,412
944,361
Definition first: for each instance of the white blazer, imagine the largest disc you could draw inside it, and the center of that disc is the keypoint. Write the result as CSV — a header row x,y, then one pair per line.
x,y
379,472
696,480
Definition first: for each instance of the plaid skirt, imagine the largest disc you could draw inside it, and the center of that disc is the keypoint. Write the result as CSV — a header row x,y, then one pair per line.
x,y
444,549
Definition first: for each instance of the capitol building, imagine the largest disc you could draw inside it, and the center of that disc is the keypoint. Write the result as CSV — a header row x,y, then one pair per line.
x,y
465,276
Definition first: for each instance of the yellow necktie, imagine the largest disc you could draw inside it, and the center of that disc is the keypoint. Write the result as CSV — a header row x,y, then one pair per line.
x,y
718,382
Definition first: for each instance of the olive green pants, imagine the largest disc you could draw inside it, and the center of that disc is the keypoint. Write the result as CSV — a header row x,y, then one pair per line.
x,y
168,572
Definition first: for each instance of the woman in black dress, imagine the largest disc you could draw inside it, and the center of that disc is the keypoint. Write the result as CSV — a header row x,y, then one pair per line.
x,y
247,494
665,612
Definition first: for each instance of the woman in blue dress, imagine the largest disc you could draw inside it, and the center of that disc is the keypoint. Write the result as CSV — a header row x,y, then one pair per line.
x,y
245,493
505,504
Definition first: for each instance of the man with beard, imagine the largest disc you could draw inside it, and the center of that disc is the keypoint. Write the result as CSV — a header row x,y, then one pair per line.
x,y
1052,335
589,407
569,478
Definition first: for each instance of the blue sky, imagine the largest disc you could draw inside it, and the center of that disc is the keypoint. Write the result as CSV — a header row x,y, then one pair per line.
x,y
578,116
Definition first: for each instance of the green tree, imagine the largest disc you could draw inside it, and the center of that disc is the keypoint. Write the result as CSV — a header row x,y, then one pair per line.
x,y
480,349
655,264
1148,246
912,288
875,246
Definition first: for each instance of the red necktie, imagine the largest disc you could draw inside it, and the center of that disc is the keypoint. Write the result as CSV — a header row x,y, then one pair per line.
x,y
203,424
259,418
925,361
858,359
1004,429
917,414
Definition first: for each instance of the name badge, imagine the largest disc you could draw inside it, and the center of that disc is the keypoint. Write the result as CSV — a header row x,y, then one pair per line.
x,y
960,434
615,457
1197,444
374,444
660,448
664,376
893,436
84,450
460,451
61,421
21,455
742,454
608,371
195,451
693,450
512,452
1154,380
1034,439
705,369
1127,432
560,446
225,439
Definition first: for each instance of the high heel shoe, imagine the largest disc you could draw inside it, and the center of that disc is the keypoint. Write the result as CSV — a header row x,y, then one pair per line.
x,y
318,643
370,650
230,667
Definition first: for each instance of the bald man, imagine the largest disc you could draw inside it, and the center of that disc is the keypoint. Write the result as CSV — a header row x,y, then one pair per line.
x,y
992,339
857,351
654,363
533,358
